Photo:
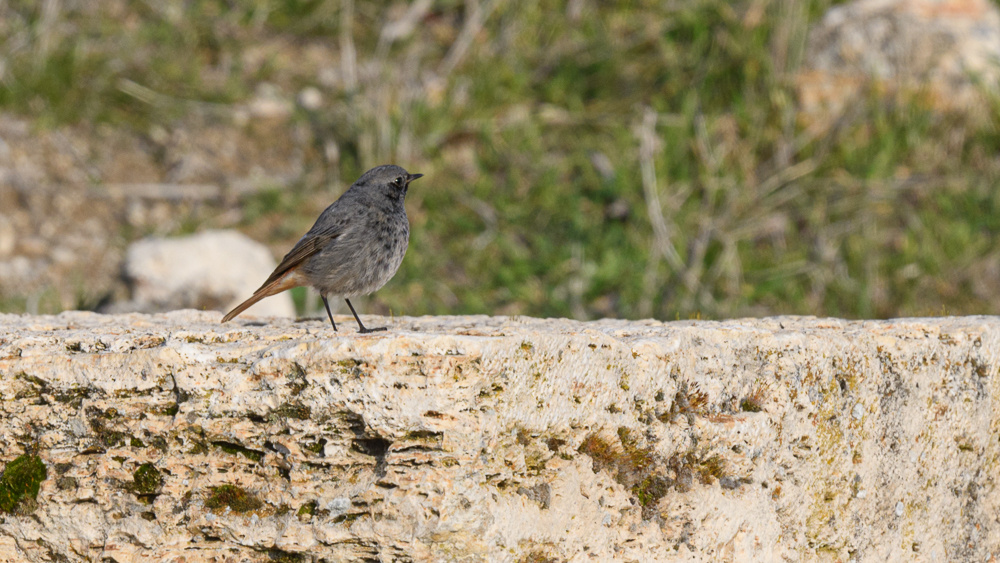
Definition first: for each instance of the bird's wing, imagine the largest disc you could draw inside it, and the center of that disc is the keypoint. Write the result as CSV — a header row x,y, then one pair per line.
x,y
310,244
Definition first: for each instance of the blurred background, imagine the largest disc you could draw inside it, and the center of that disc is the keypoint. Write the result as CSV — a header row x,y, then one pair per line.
x,y
587,159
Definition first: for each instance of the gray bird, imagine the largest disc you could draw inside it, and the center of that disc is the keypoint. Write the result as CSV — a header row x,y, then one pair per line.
x,y
355,247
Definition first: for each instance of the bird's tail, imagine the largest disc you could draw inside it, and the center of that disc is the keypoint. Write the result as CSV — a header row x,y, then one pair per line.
x,y
288,281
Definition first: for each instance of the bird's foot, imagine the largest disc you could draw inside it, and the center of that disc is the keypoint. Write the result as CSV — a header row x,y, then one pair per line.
x,y
365,330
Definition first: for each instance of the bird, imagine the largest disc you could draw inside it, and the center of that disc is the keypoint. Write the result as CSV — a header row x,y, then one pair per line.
x,y
354,248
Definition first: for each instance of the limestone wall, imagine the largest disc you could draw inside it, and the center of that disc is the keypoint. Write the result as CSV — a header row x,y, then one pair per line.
x,y
175,438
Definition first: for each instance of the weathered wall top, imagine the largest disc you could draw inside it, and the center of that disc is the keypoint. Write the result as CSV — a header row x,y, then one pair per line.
x,y
172,437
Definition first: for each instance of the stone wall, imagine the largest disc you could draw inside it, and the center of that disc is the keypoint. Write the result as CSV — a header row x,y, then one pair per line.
x,y
174,438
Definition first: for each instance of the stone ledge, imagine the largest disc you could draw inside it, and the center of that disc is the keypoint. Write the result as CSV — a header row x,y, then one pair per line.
x,y
172,437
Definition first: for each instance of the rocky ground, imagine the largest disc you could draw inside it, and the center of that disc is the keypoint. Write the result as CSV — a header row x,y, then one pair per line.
x,y
74,198
172,437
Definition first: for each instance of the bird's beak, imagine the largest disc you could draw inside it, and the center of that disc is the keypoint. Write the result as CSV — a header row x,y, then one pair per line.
x,y
412,177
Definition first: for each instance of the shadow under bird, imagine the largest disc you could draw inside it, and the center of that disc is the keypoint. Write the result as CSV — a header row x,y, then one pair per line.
x,y
354,248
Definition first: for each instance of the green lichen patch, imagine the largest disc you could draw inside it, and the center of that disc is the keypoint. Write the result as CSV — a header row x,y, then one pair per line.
x,y
307,510
347,518
297,381
169,410
650,490
34,390
539,553
20,482
316,447
105,436
199,448
427,439
646,474
294,410
149,341
33,379
146,480
235,498
65,483
631,465
495,389
72,396
158,442
237,449
282,556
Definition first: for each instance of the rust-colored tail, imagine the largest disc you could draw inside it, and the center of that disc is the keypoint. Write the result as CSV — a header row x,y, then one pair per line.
x,y
287,281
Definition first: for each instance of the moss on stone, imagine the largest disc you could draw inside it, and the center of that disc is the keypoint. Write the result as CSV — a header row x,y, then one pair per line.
x,y
308,509
645,474
282,556
236,449
159,442
291,410
199,448
20,481
536,557
628,463
146,480
105,436
650,490
66,483
235,498
316,447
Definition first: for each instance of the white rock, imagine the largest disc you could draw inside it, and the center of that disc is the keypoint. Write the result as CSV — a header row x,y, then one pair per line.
x,y
209,270
310,98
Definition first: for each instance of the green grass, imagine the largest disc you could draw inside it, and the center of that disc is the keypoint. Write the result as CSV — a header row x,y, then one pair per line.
x,y
893,213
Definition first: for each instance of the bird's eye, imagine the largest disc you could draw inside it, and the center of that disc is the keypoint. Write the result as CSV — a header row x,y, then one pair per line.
x,y
398,182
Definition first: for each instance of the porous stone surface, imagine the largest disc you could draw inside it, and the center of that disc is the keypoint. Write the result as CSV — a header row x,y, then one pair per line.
x,y
502,439
209,270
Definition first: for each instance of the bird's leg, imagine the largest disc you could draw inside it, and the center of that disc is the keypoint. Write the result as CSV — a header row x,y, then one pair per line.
x,y
361,327
328,313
